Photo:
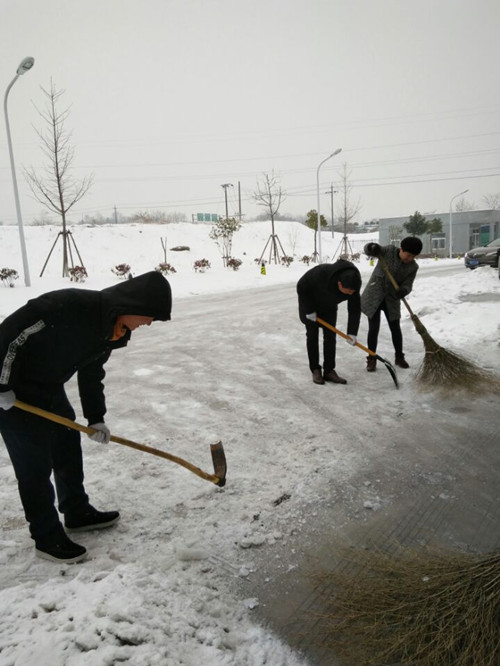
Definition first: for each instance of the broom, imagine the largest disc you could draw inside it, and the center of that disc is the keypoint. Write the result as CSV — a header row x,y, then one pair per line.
x,y
418,608
442,368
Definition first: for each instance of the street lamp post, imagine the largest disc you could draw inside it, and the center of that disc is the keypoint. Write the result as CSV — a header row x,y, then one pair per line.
x,y
452,200
331,192
25,66
336,152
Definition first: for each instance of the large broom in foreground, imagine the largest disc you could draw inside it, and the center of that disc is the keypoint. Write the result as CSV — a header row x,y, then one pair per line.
x,y
441,368
414,609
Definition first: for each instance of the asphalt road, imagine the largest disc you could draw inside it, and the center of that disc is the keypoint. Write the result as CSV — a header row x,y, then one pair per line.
x,y
434,478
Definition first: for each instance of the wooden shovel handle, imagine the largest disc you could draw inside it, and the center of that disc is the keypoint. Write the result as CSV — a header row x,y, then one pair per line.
x,y
344,335
121,440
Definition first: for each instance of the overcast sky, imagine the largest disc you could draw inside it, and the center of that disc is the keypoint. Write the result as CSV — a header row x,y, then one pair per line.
x,y
172,98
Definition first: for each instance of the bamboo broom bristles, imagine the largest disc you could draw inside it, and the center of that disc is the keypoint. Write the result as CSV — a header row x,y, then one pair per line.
x,y
443,369
415,608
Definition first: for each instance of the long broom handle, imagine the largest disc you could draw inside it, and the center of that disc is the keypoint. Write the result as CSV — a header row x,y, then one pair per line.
x,y
119,440
344,335
384,265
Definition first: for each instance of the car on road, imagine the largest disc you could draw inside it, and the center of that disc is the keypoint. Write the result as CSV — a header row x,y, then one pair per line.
x,y
486,255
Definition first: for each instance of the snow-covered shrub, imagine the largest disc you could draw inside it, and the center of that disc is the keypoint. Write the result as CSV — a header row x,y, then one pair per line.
x,y
286,261
306,259
78,274
122,270
201,265
234,263
165,269
222,233
8,275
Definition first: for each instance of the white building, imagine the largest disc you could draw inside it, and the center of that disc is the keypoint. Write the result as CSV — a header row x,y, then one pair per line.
x,y
468,229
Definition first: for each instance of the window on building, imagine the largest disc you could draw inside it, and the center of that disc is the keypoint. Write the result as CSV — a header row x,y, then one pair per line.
x,y
438,242
395,235
484,234
474,238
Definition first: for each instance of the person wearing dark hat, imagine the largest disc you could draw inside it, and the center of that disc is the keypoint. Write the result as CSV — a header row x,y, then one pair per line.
x,y
380,296
42,345
320,291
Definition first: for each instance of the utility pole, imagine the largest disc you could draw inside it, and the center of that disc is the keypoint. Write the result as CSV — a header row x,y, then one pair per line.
x,y
116,216
225,186
239,201
331,192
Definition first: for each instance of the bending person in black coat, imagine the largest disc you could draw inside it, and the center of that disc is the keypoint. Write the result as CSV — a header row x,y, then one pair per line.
x,y
320,291
42,345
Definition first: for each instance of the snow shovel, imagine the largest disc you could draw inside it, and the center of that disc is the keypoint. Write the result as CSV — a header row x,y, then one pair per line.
x,y
388,365
217,450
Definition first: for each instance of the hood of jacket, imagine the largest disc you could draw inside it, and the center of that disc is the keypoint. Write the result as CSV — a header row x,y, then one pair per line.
x,y
148,295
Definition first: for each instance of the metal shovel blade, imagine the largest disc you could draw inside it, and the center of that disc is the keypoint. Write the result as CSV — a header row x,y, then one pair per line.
x,y
388,365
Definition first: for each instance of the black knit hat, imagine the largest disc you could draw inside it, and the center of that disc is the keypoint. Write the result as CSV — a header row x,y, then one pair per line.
x,y
411,244
350,279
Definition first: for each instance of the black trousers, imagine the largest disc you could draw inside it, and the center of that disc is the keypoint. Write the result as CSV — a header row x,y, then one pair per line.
x,y
374,328
39,448
312,340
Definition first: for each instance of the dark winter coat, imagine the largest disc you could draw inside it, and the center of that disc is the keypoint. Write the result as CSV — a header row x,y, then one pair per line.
x,y
379,286
318,292
68,331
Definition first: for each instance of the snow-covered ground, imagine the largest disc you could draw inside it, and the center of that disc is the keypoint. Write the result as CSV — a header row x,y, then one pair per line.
x,y
164,587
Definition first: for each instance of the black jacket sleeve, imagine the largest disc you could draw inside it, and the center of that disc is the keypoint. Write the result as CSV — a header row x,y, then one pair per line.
x,y
354,313
91,389
15,331
406,285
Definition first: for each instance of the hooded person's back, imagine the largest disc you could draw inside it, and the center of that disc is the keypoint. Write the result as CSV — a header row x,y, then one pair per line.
x,y
52,336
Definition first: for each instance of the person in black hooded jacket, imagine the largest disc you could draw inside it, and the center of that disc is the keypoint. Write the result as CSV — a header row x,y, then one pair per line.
x,y
320,291
42,345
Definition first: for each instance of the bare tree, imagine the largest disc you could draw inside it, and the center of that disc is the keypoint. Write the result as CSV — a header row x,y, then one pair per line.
x,y
492,201
56,188
349,210
395,234
176,216
270,196
464,204
149,217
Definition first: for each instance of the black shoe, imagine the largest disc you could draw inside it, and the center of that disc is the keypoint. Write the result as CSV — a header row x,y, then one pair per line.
x,y
91,519
371,364
317,377
61,550
400,361
332,376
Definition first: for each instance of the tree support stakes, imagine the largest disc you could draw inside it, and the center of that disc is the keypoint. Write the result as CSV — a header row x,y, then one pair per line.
x,y
67,240
273,250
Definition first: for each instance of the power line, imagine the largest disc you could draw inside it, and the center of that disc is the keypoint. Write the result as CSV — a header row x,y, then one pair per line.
x,y
288,155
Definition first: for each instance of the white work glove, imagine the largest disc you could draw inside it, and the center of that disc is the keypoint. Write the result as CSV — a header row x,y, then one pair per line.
x,y
311,316
351,340
102,435
7,399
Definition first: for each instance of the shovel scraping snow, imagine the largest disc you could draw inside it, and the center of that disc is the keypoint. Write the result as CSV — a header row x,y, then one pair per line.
x,y
217,450
388,365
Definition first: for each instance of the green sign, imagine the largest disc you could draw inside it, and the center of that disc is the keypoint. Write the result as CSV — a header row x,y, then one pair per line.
x,y
207,217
